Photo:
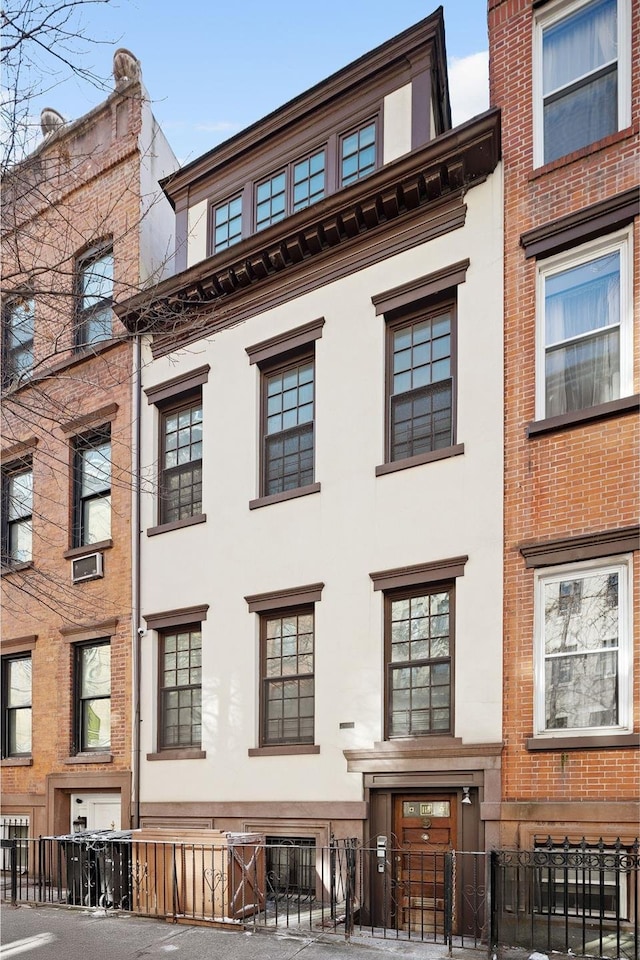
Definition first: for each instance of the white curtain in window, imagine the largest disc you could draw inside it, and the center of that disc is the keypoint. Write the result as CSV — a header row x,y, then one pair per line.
x,y
579,44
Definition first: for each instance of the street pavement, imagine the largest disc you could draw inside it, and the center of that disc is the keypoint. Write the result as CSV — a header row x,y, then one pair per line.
x,y
59,933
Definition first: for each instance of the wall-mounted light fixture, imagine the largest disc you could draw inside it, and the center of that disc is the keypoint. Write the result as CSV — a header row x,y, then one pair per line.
x,y
465,795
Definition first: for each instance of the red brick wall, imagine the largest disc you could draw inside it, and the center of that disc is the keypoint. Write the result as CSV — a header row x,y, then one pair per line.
x,y
580,480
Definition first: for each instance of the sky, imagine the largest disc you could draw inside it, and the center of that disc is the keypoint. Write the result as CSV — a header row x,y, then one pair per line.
x,y
212,68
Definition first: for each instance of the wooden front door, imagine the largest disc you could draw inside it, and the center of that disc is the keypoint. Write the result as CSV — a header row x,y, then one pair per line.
x,y
425,828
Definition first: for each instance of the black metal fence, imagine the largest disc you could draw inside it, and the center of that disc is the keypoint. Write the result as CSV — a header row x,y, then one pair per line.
x,y
579,899
575,898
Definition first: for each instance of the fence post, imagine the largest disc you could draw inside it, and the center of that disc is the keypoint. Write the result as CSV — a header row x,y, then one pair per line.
x,y
12,845
350,888
448,900
492,906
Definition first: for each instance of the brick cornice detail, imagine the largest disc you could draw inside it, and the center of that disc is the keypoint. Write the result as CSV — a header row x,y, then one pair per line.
x,y
102,415
22,449
90,631
589,546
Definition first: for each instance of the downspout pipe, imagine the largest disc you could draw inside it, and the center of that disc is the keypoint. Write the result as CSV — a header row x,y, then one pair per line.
x,y
138,629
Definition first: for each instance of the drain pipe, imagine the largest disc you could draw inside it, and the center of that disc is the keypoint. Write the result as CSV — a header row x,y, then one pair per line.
x,y
137,628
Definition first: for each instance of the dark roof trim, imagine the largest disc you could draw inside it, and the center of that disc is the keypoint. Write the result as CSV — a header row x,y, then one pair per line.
x,y
585,224
590,546
398,48
420,181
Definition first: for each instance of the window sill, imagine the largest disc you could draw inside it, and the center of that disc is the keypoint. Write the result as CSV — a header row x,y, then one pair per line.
x,y
88,548
178,754
16,568
430,457
284,750
285,495
176,524
90,758
560,162
576,418
620,740
16,761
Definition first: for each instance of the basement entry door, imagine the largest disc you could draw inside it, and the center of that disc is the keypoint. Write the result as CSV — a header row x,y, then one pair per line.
x,y
426,828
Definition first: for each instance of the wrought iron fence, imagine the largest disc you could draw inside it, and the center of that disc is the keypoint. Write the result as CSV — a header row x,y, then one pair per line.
x,y
579,898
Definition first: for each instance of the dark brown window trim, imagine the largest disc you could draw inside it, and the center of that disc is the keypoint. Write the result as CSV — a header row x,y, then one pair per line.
x,y
409,294
87,549
90,758
585,224
394,465
576,418
589,546
285,495
18,644
621,740
18,450
284,342
176,618
16,568
176,524
104,415
16,762
419,573
183,383
185,753
283,750
291,597
91,631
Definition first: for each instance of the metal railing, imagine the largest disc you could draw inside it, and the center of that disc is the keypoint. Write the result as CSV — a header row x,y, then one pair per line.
x,y
576,898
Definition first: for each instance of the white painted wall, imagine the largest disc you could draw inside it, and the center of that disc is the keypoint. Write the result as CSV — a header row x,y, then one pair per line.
x,y
358,523
157,221
397,124
197,233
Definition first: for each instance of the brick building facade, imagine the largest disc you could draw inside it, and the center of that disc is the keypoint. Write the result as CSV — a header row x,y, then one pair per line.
x,y
74,241
561,73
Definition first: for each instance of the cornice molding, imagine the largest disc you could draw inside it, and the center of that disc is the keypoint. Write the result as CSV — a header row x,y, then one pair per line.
x,y
588,546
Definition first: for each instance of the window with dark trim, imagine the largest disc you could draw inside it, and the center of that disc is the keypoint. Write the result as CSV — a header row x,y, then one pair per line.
x,y
17,511
298,185
94,280
291,865
227,224
288,401
92,487
17,340
420,382
179,687
16,700
181,459
419,657
287,676
92,700
358,153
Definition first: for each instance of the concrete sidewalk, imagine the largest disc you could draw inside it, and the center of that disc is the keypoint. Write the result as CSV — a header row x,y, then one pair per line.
x,y
61,933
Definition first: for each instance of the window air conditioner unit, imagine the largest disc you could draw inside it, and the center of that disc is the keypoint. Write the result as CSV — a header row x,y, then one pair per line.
x,y
86,568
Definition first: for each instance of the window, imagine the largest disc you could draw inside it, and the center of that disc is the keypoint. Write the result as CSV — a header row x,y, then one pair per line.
x,y
297,186
16,698
227,224
358,153
17,510
585,329
15,828
419,640
291,866
18,340
181,458
583,648
288,425
95,297
582,880
420,383
582,53
180,692
287,676
92,488
92,697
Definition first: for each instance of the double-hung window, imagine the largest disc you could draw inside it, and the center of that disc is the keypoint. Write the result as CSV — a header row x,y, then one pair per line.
x,y
17,510
585,327
180,688
300,184
288,419
92,488
16,712
17,340
287,676
181,460
92,701
583,648
419,655
582,77
95,297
